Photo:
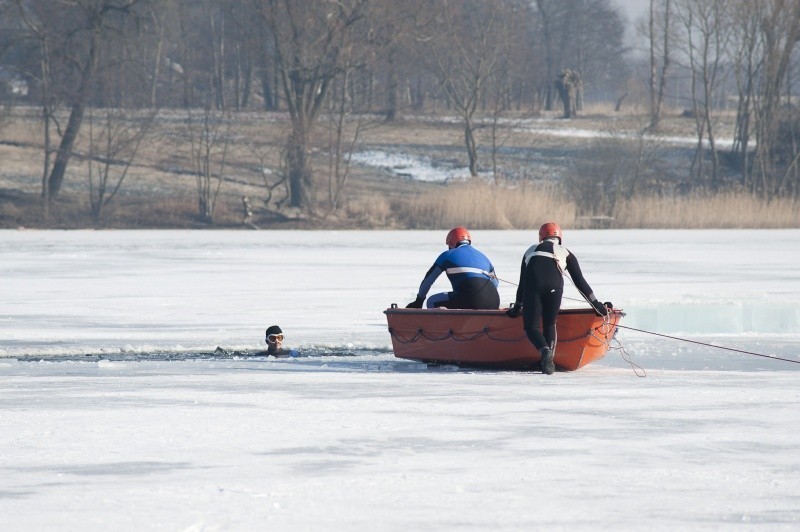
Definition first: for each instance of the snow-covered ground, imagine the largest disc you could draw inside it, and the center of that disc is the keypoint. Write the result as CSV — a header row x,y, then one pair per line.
x,y
418,168
425,167
111,417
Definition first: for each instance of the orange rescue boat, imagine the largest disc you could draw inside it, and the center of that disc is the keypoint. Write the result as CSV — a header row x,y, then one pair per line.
x,y
490,338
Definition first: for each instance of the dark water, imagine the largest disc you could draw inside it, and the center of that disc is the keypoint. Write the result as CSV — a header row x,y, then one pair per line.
x,y
637,355
219,354
327,359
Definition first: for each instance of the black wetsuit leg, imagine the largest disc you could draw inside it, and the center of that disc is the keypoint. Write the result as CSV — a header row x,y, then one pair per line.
x,y
539,313
551,303
532,319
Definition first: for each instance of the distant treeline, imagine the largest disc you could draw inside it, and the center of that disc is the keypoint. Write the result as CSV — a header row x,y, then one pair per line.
x,y
471,58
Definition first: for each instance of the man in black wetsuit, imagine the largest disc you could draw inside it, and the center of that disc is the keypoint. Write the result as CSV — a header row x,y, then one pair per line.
x,y
541,285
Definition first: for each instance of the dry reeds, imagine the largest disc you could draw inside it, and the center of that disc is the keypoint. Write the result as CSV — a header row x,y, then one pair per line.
x,y
725,210
480,205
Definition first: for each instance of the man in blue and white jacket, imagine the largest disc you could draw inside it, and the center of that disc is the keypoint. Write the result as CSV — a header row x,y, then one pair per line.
x,y
470,272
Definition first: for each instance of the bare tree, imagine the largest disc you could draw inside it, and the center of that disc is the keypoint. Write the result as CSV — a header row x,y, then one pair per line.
x,y
582,35
510,80
660,17
94,15
569,83
339,155
236,68
781,33
75,30
354,89
113,146
243,35
309,36
594,46
396,30
707,30
551,12
465,54
156,19
747,59
614,169
209,138
274,180
44,44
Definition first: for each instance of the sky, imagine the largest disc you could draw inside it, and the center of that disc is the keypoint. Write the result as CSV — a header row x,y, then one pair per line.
x,y
633,8
111,419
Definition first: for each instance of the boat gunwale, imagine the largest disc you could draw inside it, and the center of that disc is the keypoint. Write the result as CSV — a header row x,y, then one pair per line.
x,y
483,312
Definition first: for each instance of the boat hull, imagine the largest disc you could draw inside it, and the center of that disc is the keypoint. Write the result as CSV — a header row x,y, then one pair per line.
x,y
490,338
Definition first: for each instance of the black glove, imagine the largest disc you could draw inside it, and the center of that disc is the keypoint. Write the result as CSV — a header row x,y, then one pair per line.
x,y
609,304
513,311
417,303
599,308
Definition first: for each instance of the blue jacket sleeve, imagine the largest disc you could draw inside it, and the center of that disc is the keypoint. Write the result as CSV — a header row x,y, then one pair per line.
x,y
428,281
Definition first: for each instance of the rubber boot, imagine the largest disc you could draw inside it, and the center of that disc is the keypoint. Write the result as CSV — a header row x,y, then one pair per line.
x,y
548,367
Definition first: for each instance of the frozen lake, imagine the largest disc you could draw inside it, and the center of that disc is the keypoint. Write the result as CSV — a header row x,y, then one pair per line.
x,y
113,416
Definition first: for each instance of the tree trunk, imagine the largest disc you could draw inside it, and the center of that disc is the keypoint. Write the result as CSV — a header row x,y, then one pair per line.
x,y
391,90
299,167
247,82
567,84
563,91
217,40
65,148
777,56
266,89
75,119
658,82
157,60
46,112
472,148
652,30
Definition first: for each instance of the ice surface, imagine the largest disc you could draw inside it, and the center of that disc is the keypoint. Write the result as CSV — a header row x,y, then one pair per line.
x,y
90,291
150,432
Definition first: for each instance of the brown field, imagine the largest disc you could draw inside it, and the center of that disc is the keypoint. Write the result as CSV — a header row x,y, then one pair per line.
x,y
545,170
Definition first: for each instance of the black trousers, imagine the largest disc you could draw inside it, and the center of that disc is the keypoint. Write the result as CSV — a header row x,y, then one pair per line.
x,y
473,293
539,313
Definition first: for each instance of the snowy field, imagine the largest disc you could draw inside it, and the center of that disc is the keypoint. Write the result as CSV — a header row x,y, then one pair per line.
x,y
114,415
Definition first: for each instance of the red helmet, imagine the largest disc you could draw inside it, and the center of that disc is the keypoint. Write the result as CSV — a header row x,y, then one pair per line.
x,y
457,235
549,230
